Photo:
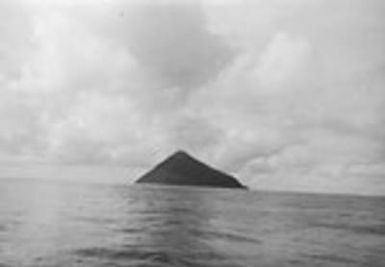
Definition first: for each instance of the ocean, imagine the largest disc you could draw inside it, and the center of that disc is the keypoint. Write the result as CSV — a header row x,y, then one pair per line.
x,y
66,224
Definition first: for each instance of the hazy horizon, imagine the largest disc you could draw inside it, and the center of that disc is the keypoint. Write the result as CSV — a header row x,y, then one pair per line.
x,y
284,95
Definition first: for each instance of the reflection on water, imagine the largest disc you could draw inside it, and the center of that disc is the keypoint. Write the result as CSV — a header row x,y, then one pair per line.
x,y
166,228
63,224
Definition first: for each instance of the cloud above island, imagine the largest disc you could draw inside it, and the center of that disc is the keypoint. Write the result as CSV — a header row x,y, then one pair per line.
x,y
283,94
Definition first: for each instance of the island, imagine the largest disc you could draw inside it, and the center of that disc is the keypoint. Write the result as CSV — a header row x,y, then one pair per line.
x,y
182,169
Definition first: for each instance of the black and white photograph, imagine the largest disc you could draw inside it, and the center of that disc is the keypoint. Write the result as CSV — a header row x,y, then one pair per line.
x,y
192,133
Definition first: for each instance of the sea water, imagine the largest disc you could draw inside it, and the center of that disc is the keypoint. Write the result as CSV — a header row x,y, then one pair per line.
x,y
71,224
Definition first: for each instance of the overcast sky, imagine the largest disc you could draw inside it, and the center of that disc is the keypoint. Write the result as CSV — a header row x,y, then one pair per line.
x,y
283,94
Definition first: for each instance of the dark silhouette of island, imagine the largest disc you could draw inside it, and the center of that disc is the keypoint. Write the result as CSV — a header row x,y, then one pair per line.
x,y
182,169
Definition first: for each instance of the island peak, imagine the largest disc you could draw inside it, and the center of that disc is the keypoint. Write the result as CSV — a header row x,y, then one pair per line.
x,y
183,169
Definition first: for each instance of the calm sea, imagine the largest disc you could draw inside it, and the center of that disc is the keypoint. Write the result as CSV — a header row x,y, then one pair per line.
x,y
63,224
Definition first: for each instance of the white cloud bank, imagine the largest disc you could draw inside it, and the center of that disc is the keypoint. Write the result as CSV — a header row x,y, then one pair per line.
x,y
285,94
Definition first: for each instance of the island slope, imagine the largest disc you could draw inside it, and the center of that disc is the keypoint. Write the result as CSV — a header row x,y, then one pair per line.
x,y
182,169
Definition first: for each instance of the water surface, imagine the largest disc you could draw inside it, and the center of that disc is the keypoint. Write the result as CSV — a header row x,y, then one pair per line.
x,y
68,224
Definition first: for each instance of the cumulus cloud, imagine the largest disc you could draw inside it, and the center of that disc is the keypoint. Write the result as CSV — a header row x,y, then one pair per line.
x,y
282,94
283,64
175,45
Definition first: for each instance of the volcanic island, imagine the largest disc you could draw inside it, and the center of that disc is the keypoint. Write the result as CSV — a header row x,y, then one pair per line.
x,y
184,170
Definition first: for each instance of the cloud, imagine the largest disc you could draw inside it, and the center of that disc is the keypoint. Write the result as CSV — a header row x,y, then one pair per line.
x,y
171,41
195,134
21,128
284,59
15,32
272,92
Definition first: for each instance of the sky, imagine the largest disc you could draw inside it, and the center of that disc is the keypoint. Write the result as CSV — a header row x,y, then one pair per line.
x,y
285,95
